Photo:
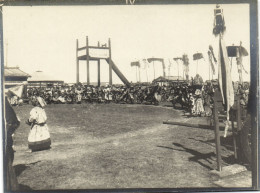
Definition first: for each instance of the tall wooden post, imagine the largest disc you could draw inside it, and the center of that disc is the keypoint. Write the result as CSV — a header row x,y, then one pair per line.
x,y
139,74
153,71
217,137
136,73
110,62
197,68
239,123
234,135
77,61
98,69
87,59
178,68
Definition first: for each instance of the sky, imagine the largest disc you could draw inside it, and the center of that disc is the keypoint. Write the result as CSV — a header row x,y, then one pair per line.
x,y
44,37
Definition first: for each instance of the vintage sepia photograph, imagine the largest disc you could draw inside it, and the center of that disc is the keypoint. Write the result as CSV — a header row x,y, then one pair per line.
x,y
129,96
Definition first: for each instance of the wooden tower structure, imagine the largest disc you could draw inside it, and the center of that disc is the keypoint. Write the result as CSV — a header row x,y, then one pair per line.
x,y
97,53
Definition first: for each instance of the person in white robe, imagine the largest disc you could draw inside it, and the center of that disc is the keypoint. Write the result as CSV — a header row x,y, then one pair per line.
x,y
39,136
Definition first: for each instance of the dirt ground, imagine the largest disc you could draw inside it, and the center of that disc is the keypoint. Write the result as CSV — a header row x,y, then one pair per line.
x,y
104,146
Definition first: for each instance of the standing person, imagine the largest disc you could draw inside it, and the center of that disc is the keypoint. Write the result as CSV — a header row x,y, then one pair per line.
x,y
39,136
198,109
11,124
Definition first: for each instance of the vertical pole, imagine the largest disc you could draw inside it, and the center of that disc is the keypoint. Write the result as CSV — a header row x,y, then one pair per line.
x,y
139,74
169,69
217,137
153,71
87,59
6,56
178,68
146,74
197,68
234,135
110,62
136,73
209,71
239,124
98,69
77,62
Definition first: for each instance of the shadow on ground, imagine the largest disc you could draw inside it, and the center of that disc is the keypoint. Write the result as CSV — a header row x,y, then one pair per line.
x,y
204,159
24,188
21,167
226,142
19,170
197,157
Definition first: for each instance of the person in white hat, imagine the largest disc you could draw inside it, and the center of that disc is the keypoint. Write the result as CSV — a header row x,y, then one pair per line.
x,y
39,136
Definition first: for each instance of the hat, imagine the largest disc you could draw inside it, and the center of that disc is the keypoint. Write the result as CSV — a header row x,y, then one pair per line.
x,y
197,92
41,101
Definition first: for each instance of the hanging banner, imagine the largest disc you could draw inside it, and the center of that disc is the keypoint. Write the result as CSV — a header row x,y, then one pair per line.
x,y
185,60
211,62
224,77
137,63
17,90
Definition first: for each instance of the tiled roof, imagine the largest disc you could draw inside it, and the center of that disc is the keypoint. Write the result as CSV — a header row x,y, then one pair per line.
x,y
40,76
14,71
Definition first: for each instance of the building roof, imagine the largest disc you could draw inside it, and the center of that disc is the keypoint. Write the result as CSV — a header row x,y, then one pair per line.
x,y
168,78
40,76
15,72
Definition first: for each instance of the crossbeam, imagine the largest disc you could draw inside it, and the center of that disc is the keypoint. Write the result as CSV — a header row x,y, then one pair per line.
x,y
84,57
93,47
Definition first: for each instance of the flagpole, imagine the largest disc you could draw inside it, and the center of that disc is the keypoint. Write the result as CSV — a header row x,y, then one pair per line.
x,y
178,69
169,69
139,74
146,74
183,70
153,71
136,73
209,72
197,68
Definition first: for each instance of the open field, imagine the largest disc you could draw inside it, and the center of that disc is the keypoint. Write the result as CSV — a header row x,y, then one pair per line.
x,y
97,146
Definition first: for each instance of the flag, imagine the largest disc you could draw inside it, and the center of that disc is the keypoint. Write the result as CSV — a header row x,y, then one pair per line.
x,y
154,59
17,90
212,53
211,62
219,21
197,56
185,60
232,51
224,78
137,63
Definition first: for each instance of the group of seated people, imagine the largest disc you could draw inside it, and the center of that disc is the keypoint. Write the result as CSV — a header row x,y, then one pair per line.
x,y
196,99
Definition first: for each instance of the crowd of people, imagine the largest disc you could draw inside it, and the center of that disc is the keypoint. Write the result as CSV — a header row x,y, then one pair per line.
x,y
194,98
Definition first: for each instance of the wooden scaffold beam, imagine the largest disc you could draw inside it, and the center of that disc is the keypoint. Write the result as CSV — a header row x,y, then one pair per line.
x,y
77,61
87,59
110,62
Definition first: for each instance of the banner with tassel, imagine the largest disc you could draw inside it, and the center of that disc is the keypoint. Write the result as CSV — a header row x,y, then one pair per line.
x,y
225,81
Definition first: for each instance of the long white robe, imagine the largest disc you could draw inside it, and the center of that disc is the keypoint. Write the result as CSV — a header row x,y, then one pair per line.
x,y
39,136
